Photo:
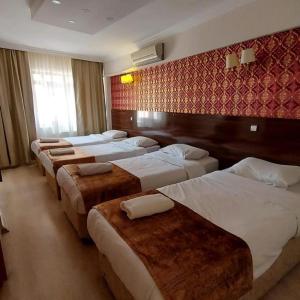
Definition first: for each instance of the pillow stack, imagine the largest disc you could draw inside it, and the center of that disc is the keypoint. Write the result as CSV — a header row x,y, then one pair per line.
x,y
115,134
267,172
141,141
183,151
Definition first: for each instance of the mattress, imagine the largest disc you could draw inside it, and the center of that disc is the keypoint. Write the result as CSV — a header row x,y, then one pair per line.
x,y
159,169
77,141
103,153
154,170
264,216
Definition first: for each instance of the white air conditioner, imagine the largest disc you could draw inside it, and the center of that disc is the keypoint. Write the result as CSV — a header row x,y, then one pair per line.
x,y
148,55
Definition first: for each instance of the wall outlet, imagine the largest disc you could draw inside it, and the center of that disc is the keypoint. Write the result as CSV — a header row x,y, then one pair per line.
x,y
253,128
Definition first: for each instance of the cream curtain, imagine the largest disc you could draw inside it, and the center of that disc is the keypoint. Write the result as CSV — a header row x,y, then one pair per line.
x,y
89,96
17,128
53,95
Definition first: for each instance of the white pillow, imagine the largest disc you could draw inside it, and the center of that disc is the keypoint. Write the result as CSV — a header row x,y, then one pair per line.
x,y
267,172
141,141
184,151
115,134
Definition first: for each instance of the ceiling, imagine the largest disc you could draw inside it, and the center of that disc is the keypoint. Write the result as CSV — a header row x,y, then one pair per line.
x,y
102,29
84,16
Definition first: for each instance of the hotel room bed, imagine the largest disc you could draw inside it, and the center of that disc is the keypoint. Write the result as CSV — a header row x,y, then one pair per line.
x,y
267,218
94,153
153,170
77,141
100,153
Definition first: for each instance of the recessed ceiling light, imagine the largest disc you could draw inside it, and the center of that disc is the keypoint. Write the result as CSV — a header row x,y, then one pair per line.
x,y
56,1
71,21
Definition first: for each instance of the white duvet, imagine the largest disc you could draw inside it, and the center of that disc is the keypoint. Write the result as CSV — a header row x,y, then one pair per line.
x,y
154,170
264,216
92,139
159,169
113,151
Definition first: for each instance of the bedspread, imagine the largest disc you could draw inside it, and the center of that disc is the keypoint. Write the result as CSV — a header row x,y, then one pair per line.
x,y
188,256
98,188
61,144
78,157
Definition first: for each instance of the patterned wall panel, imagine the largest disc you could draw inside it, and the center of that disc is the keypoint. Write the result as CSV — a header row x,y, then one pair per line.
x,y
270,87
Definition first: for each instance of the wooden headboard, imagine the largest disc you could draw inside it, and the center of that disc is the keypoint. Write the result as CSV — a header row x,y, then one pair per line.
x,y
227,138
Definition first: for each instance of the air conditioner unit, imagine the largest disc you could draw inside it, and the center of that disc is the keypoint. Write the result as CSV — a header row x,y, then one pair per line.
x,y
148,55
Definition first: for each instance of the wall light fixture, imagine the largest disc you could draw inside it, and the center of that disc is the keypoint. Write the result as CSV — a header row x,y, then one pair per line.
x,y
247,57
126,78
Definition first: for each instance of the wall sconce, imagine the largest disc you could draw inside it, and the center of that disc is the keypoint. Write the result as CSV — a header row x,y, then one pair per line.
x,y
126,78
231,60
247,56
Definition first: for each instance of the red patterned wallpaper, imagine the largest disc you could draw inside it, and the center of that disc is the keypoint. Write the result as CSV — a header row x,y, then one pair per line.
x,y
270,87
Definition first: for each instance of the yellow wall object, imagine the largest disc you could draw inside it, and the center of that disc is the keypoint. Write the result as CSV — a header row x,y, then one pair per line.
x,y
127,78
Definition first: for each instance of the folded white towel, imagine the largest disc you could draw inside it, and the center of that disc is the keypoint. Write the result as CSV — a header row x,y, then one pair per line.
x,y
61,151
94,168
46,140
146,205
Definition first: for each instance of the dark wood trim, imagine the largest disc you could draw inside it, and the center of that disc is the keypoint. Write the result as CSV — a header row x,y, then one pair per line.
x,y
227,138
3,274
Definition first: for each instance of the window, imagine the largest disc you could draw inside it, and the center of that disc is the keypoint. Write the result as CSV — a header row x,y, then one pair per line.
x,y
53,95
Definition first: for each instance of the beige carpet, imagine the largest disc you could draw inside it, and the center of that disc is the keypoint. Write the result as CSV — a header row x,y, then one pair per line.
x,y
45,259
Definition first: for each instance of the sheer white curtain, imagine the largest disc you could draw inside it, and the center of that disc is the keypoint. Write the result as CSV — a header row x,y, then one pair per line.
x,y
53,95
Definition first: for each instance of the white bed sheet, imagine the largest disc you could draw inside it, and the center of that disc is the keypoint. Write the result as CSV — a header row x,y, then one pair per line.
x,y
102,153
77,141
264,216
113,151
154,170
86,140
159,169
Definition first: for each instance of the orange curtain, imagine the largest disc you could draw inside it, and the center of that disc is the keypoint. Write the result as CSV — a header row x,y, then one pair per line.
x,y
17,128
89,96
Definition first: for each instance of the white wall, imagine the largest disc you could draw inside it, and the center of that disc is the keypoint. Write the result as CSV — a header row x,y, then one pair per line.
x,y
253,20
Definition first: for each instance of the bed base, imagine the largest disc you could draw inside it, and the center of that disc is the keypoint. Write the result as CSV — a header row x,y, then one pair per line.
x,y
288,259
78,221
40,166
53,184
